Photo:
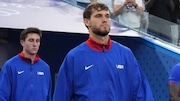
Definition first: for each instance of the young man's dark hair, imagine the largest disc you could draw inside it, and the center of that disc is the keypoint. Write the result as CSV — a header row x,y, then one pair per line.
x,y
26,31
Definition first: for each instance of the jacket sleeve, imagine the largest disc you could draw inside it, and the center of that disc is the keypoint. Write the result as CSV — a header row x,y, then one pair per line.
x,y
174,74
5,83
64,86
141,88
144,92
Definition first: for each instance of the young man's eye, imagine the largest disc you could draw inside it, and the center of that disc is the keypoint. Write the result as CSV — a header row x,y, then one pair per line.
x,y
38,40
98,15
31,40
107,16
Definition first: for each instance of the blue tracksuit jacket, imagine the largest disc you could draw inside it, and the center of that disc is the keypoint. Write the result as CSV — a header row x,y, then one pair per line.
x,y
20,80
95,72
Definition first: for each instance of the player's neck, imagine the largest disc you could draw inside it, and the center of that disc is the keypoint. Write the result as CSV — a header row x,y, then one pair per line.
x,y
100,39
29,56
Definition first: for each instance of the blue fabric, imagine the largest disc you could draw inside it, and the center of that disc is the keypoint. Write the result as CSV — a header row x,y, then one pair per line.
x,y
90,75
175,75
22,81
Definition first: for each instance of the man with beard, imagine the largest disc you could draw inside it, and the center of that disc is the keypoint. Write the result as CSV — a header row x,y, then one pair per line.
x,y
100,69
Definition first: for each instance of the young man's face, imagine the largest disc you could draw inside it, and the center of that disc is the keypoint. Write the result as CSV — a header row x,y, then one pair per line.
x,y
31,44
99,22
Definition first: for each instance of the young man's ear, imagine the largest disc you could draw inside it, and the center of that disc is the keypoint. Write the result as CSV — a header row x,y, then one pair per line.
x,y
86,22
21,42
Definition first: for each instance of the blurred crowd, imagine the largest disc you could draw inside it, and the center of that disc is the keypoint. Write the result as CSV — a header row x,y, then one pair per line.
x,y
133,13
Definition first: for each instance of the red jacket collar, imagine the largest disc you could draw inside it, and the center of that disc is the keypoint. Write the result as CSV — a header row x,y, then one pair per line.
x,y
27,59
97,46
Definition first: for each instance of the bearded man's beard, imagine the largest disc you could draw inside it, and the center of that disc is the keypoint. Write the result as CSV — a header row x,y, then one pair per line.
x,y
99,32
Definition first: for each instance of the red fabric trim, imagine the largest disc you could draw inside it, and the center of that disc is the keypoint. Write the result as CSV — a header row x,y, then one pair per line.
x,y
97,46
27,59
